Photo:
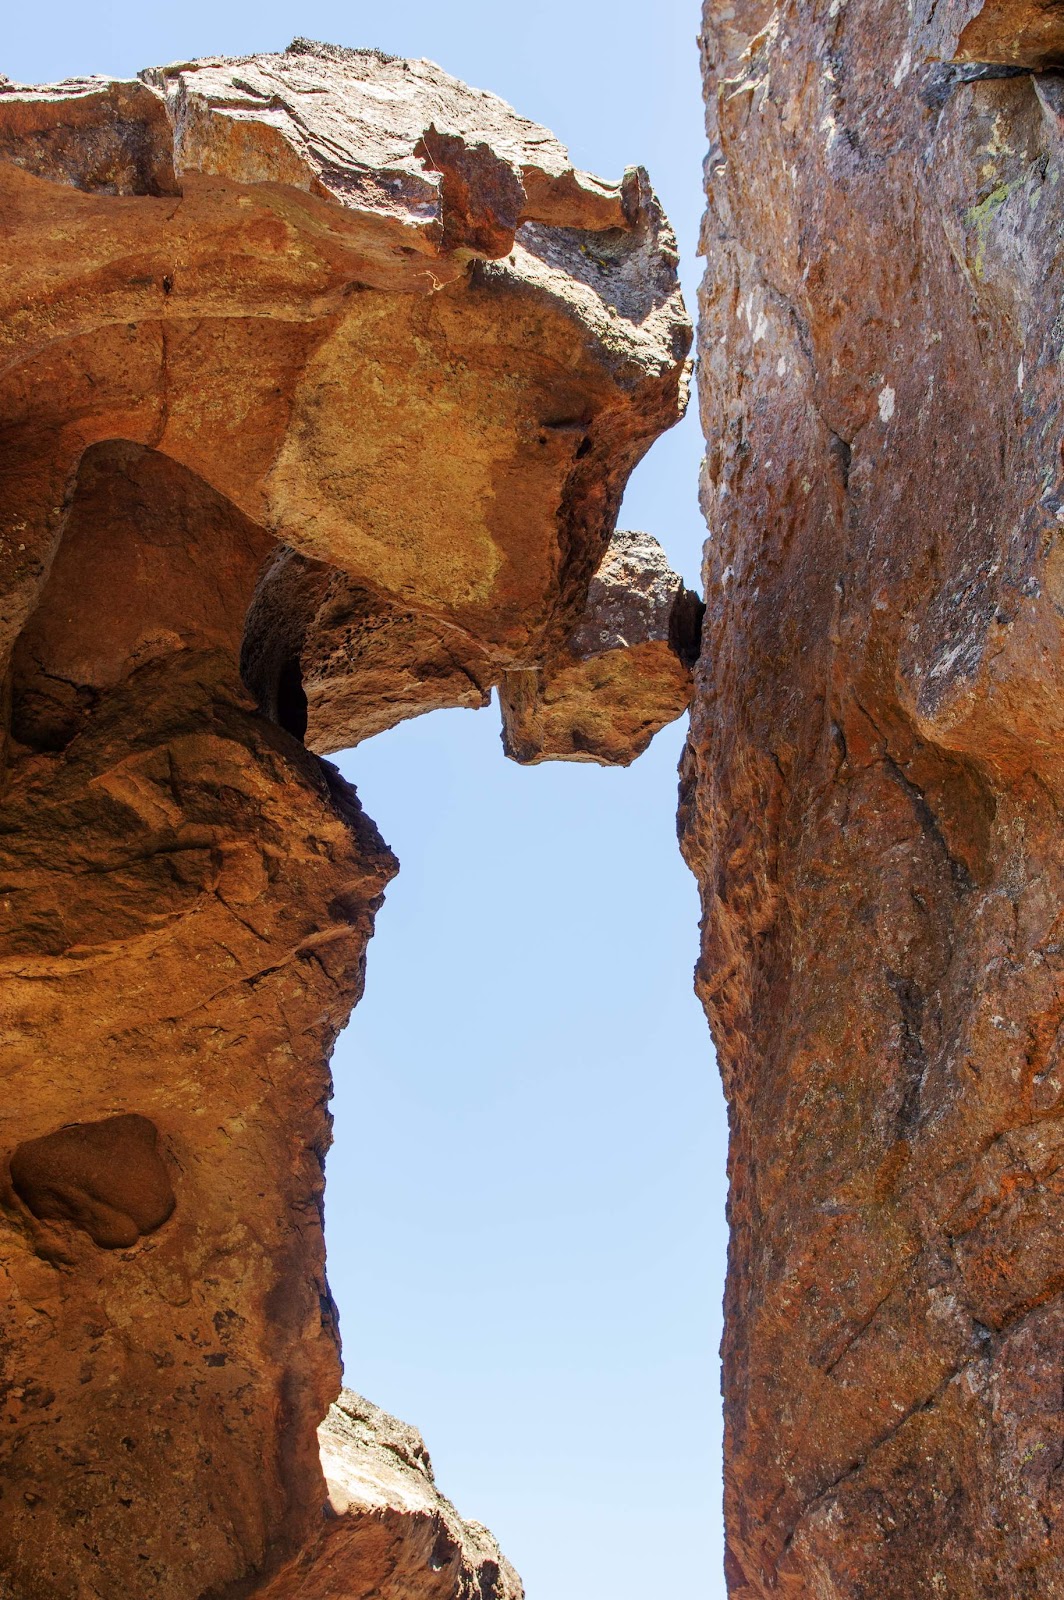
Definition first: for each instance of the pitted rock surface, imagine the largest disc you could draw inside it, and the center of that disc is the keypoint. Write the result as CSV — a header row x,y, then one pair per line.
x,y
872,795
321,376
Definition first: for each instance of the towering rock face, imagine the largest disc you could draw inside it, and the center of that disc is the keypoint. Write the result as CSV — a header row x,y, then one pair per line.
x,y
872,790
321,378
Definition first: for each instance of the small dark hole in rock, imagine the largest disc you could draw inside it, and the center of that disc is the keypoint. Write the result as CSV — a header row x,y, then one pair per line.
x,y
292,700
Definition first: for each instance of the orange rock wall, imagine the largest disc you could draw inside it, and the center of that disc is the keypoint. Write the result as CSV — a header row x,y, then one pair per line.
x,y
316,411
187,899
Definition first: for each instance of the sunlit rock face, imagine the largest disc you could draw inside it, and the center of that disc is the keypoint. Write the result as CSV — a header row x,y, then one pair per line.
x,y
1020,33
872,792
322,377
388,1530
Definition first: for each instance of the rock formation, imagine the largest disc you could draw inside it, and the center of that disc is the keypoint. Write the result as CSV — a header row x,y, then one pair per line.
x,y
321,379
872,790
388,1530
622,673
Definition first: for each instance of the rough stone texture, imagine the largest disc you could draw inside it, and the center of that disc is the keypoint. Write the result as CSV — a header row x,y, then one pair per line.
x,y
623,672
388,1530
456,442
871,798
1028,33
106,1177
187,895
321,376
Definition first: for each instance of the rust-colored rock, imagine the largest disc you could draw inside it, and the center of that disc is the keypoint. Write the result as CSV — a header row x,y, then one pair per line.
x,y
316,408
187,898
871,799
1020,33
106,1177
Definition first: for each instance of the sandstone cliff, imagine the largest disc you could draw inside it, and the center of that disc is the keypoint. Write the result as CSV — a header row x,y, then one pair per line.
x,y
321,376
872,789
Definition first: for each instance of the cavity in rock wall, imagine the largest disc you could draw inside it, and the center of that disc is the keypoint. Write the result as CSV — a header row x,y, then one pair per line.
x,y
316,410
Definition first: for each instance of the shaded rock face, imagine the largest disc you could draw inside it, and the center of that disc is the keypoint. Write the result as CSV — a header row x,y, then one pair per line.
x,y
106,1177
1022,33
871,795
316,408
187,898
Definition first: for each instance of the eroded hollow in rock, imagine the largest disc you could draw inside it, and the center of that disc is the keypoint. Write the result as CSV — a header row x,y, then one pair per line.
x,y
106,1178
153,563
323,376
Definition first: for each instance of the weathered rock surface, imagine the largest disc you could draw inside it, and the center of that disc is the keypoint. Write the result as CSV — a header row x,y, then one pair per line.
x,y
872,797
277,293
321,376
1022,33
387,1529
623,672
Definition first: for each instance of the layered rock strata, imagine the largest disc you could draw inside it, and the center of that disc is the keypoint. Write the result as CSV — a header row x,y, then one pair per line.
x,y
321,376
872,791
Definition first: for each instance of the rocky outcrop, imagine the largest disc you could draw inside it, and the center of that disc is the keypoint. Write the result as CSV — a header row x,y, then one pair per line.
x,y
1020,33
387,1529
622,673
321,376
872,793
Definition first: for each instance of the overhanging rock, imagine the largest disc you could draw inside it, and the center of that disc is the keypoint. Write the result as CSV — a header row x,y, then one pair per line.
x,y
375,310
321,376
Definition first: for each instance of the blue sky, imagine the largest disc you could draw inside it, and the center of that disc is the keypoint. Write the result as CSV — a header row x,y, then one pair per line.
x,y
526,1194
